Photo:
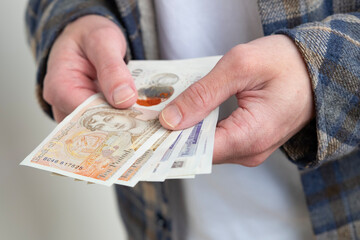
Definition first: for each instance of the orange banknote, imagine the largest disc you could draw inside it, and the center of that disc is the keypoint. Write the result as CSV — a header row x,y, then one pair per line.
x,y
96,142
100,144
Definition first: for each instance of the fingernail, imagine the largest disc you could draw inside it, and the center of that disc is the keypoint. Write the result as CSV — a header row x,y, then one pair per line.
x,y
123,93
171,115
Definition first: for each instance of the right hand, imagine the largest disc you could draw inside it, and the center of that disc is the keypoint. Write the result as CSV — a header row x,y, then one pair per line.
x,y
87,58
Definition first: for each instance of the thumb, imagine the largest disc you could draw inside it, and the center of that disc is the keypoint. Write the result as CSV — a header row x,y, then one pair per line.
x,y
196,102
105,49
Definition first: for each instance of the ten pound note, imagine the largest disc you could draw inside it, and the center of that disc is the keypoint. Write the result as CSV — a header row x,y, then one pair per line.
x,y
100,144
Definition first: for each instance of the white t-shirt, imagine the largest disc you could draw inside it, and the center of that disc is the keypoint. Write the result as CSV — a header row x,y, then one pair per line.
x,y
233,202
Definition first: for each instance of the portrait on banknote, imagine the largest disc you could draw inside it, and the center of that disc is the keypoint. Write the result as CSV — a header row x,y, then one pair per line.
x,y
108,119
123,126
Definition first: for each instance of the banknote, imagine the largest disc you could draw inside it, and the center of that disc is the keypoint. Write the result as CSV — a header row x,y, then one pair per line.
x,y
158,169
144,164
100,144
195,156
96,142
158,82
181,147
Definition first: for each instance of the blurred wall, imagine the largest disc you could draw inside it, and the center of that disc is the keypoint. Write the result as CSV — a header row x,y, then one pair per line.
x,y
34,204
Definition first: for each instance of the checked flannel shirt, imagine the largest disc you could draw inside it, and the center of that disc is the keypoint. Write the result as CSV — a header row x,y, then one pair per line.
x,y
327,33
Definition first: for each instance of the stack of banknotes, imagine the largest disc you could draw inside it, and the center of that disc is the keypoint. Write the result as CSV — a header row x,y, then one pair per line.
x,y
100,144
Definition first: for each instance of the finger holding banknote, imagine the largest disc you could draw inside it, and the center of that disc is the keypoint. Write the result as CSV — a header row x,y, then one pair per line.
x,y
86,58
273,90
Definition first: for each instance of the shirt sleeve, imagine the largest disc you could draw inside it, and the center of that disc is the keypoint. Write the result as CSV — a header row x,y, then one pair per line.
x,y
45,19
331,51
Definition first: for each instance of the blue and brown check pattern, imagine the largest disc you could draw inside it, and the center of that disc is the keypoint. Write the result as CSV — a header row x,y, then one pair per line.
x,y
333,198
46,19
327,33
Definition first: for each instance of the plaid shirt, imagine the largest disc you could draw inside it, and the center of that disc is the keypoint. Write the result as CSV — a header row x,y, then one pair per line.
x,y
327,33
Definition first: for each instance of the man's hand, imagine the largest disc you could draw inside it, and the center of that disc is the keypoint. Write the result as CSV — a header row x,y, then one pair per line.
x,y
87,58
270,81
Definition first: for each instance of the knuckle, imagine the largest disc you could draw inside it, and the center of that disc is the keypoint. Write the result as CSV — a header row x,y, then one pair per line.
x,y
199,95
105,36
107,70
98,34
111,74
242,60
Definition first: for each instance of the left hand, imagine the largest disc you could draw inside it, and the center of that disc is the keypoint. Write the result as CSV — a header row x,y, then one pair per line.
x,y
269,78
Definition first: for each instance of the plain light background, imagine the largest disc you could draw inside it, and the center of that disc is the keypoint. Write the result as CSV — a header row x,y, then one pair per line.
x,y
33,204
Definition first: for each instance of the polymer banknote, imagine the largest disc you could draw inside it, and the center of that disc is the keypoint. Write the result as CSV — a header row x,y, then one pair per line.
x,y
196,154
96,142
100,144
158,82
